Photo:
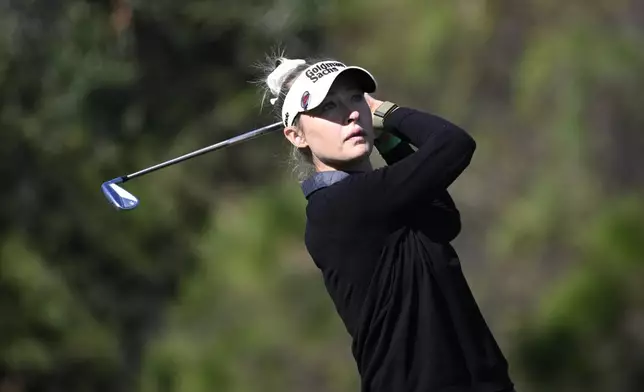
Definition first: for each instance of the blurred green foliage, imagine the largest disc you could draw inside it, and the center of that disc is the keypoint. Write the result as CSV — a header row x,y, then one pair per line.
x,y
207,286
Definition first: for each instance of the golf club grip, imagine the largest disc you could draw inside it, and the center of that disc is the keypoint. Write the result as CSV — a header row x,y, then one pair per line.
x,y
228,142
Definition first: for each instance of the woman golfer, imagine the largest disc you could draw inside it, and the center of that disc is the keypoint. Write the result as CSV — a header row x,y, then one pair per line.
x,y
381,237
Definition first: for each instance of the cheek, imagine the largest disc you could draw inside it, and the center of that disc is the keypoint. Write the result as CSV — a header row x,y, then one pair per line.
x,y
319,132
323,136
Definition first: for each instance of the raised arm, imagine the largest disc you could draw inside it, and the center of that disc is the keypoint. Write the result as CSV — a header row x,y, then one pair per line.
x,y
439,218
444,151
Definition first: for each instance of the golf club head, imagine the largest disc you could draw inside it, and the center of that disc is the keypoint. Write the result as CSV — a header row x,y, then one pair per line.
x,y
119,197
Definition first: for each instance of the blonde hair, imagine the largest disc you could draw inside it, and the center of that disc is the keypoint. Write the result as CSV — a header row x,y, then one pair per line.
x,y
276,87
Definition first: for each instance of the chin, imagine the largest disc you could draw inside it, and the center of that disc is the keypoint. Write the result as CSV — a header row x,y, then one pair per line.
x,y
363,150
354,158
359,154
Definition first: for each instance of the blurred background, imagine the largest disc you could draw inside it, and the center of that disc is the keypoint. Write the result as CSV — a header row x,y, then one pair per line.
x,y
207,286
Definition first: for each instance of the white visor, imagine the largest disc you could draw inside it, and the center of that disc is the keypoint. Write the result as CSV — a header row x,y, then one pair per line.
x,y
311,87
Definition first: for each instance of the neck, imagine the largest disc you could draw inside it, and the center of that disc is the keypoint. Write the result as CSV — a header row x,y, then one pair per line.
x,y
361,165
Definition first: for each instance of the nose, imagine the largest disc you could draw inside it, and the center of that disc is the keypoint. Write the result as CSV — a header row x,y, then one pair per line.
x,y
353,116
349,112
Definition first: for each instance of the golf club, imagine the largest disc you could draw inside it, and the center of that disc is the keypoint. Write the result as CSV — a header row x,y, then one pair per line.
x,y
124,200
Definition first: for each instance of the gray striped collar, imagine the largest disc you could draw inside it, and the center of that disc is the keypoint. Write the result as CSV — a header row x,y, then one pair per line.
x,y
322,180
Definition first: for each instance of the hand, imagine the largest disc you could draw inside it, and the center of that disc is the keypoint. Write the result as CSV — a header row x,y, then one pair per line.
x,y
372,102
373,105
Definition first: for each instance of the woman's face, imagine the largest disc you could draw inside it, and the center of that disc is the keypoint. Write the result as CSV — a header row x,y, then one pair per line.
x,y
339,131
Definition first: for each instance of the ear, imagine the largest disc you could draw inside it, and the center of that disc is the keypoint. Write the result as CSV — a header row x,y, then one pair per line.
x,y
296,137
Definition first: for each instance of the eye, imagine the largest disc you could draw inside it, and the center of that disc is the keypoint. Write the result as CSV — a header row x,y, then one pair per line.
x,y
328,106
357,97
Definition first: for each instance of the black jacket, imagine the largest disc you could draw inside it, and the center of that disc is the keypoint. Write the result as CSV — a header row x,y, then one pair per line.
x,y
381,240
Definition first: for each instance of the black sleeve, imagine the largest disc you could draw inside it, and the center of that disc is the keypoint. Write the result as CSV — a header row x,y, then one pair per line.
x,y
440,219
444,151
401,151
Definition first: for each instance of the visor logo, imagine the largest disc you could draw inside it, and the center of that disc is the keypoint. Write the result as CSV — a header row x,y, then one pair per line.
x,y
323,69
305,100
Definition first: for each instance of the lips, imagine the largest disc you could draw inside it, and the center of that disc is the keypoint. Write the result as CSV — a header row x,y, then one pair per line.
x,y
357,131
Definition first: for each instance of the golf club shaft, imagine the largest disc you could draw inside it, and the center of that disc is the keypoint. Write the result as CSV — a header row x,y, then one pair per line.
x,y
217,146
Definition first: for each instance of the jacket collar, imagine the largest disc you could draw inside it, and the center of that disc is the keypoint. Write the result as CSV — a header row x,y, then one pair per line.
x,y
322,180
